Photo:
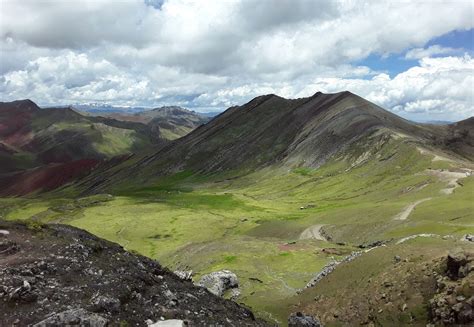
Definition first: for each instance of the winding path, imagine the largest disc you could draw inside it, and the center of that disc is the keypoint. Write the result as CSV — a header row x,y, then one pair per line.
x,y
403,215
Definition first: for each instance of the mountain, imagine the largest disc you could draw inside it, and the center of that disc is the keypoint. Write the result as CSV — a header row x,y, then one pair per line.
x,y
45,148
42,149
80,279
58,135
325,207
306,132
98,108
171,122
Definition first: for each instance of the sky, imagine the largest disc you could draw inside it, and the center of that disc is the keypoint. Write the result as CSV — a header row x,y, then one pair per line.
x,y
414,58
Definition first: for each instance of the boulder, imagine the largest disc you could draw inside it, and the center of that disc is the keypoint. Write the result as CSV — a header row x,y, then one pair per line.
x,y
101,303
219,282
8,247
459,263
74,317
184,274
168,323
299,319
23,293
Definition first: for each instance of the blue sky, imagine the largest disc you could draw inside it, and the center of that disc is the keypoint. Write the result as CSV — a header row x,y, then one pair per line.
x,y
396,63
413,58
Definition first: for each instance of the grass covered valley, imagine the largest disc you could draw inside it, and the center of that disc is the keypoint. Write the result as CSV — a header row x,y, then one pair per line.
x,y
329,206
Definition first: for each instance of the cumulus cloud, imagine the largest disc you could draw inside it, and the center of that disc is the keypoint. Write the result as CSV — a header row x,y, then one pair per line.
x,y
213,54
419,53
436,87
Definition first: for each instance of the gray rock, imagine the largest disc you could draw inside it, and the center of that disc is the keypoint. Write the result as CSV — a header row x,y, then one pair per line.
x,y
219,282
468,238
184,274
103,303
459,263
23,293
299,319
75,317
168,323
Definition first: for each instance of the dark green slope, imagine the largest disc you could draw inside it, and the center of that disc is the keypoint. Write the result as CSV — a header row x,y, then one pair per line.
x,y
270,130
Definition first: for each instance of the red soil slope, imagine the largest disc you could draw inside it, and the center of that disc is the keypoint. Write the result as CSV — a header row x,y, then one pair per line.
x,y
45,178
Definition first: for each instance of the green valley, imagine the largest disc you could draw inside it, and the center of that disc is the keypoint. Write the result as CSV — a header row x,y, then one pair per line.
x,y
251,224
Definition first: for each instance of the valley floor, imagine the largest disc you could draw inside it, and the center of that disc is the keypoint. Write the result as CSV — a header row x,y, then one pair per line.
x,y
278,227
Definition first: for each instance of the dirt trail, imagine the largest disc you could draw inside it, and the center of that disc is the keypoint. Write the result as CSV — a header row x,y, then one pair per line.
x,y
449,177
403,215
313,232
436,157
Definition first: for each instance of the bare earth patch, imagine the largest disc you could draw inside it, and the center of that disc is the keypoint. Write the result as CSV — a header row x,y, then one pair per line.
x,y
403,215
449,177
313,232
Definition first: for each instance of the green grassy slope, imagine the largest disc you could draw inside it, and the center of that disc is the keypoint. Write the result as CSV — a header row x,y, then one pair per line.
x,y
251,223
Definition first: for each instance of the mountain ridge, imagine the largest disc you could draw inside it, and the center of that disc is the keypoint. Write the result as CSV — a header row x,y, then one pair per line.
x,y
271,130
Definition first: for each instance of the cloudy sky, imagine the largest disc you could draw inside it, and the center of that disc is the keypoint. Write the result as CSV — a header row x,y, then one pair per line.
x,y
415,58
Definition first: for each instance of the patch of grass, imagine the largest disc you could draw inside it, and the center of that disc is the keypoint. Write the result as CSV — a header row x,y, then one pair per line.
x,y
304,171
230,258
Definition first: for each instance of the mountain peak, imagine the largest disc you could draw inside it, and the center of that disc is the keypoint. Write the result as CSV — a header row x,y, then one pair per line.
x,y
270,129
25,105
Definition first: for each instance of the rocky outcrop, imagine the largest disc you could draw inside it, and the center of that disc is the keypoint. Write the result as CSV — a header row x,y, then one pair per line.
x,y
219,282
59,275
299,319
459,263
79,317
453,304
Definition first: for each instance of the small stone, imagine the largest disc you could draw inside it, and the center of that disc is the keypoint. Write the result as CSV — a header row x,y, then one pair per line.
x,y
460,298
168,323
301,320
103,303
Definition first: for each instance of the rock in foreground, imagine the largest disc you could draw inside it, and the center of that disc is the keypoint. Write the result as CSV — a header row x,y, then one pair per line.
x,y
219,282
59,275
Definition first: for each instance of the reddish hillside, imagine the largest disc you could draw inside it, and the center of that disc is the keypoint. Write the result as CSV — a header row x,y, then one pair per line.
x,y
45,178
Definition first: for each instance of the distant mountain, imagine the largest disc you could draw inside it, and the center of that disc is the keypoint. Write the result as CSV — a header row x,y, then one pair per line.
x,y
210,114
270,130
171,122
98,108
46,148
437,122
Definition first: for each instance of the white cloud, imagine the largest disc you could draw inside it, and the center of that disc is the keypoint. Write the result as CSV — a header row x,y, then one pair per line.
x,y
419,53
437,87
208,54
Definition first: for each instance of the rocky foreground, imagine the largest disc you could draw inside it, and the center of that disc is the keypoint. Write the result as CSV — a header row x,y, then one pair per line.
x,y
55,275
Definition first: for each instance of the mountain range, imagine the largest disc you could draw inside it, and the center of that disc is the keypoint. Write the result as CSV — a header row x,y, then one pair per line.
x,y
36,144
329,205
